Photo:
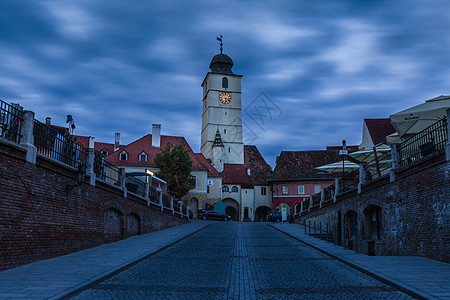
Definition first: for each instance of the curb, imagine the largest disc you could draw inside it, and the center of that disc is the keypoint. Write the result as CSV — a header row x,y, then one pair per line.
x,y
73,291
379,277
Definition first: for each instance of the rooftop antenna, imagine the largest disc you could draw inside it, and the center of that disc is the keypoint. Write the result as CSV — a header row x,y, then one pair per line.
x,y
221,44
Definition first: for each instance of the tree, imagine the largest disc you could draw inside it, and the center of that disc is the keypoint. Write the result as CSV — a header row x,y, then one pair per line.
x,y
174,166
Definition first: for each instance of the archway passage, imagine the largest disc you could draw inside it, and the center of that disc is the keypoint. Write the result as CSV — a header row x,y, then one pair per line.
x,y
372,222
232,212
232,208
112,227
261,213
133,224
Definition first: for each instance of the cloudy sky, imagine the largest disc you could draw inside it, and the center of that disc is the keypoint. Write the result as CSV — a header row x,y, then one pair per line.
x,y
119,66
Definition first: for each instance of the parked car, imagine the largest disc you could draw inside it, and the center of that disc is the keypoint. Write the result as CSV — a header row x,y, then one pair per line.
x,y
213,215
276,217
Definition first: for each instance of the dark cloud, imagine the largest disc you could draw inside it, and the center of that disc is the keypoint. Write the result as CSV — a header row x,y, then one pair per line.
x,y
120,67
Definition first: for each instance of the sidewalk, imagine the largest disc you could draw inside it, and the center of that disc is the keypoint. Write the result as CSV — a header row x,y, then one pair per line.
x,y
418,276
57,277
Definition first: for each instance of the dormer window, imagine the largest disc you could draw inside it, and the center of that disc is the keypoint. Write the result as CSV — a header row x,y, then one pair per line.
x,y
143,156
224,82
123,155
104,152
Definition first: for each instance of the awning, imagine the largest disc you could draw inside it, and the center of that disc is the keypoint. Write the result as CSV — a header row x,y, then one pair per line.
x,y
339,167
368,155
419,117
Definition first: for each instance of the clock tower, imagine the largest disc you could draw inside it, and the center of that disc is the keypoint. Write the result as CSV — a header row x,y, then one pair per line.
x,y
222,113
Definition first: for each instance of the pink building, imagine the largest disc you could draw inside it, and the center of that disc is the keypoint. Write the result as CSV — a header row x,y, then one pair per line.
x,y
295,178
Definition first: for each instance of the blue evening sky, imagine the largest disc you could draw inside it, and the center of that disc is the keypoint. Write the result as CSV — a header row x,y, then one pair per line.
x,y
322,66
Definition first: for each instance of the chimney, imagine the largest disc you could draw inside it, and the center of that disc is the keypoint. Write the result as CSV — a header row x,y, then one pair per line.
x,y
48,121
156,135
91,142
117,141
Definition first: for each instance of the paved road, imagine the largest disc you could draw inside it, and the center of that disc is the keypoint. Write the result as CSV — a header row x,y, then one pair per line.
x,y
230,260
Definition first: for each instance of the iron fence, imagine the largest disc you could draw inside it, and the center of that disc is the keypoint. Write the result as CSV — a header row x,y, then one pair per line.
x,y
305,205
166,201
135,185
316,199
58,145
10,121
349,181
329,193
176,206
106,171
379,166
428,142
153,195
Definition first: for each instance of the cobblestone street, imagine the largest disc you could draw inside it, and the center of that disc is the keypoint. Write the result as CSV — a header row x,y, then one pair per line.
x,y
230,260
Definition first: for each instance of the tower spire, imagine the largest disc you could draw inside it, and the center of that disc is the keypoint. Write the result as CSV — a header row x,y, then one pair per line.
x,y
221,44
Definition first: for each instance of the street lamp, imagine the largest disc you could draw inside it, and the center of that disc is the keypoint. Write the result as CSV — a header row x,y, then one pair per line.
x,y
80,175
343,153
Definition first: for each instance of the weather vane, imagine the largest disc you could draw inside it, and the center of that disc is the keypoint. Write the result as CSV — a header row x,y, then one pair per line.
x,y
221,44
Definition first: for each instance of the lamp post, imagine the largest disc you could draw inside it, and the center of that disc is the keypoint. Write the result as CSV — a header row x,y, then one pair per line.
x,y
81,174
343,153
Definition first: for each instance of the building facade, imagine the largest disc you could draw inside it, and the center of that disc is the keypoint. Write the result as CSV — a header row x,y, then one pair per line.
x,y
295,178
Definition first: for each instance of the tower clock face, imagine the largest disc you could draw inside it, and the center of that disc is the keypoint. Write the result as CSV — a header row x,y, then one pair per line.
x,y
225,98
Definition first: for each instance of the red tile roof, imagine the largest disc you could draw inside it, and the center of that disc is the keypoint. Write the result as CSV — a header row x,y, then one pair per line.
x,y
301,164
260,171
144,144
379,129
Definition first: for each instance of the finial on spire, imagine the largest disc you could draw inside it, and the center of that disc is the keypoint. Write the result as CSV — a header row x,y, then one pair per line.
x,y
221,44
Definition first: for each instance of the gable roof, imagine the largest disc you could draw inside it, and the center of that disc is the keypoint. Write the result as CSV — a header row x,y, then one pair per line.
x,y
301,164
260,171
144,144
379,129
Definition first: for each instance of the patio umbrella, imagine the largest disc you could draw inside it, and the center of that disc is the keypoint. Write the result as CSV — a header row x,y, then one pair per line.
x,y
337,167
419,117
368,155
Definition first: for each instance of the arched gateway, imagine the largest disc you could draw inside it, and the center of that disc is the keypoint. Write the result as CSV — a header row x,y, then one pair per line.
x,y
232,208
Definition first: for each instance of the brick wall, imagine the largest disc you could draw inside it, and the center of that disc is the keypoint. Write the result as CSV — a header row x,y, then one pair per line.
x,y
41,218
414,213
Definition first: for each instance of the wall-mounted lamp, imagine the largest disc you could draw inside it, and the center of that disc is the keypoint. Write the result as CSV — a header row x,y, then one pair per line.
x,y
81,174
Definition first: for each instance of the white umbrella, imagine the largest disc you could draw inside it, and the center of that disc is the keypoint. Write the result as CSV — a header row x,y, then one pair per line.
x,y
368,155
419,117
337,167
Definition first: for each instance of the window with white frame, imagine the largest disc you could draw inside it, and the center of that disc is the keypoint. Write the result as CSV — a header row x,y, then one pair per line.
x,y
123,155
143,156
317,188
301,189
285,190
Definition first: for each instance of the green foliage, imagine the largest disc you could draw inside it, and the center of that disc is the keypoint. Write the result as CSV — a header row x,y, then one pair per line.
x,y
175,165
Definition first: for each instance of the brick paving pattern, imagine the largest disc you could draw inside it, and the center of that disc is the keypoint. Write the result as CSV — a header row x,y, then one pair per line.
x,y
230,260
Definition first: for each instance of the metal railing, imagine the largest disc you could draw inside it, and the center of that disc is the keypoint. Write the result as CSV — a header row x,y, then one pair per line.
x,y
10,121
426,143
349,181
379,166
58,145
329,193
135,185
166,201
106,171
